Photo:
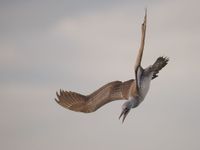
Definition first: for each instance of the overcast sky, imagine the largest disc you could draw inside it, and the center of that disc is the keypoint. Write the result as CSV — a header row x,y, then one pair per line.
x,y
81,45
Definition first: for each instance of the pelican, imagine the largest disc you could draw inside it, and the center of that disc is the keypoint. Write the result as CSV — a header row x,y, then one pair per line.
x,y
133,90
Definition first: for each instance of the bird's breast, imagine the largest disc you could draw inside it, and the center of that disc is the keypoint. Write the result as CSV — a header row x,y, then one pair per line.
x,y
145,84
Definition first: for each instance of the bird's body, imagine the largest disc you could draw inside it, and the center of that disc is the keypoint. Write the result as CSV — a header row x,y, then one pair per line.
x,y
137,96
145,81
134,91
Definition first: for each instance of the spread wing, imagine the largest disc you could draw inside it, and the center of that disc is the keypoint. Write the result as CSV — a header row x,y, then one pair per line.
x,y
115,90
141,49
138,68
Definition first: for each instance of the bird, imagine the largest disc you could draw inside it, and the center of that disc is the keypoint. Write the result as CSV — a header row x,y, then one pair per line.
x,y
133,91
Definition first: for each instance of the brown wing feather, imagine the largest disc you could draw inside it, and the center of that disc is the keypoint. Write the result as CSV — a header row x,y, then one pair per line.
x,y
115,90
71,100
142,42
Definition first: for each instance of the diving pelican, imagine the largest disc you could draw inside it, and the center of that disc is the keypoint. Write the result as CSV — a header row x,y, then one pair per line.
x,y
133,91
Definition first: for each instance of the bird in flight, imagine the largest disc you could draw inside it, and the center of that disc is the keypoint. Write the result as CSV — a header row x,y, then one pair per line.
x,y
133,91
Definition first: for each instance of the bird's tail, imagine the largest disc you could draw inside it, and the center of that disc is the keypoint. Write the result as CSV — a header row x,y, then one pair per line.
x,y
158,65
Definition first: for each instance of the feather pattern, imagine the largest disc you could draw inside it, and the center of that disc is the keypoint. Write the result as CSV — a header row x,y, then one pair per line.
x,y
115,90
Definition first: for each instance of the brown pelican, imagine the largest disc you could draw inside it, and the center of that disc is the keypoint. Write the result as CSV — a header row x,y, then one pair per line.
x,y
133,91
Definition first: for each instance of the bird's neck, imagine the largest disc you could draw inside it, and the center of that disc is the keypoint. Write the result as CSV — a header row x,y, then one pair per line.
x,y
135,101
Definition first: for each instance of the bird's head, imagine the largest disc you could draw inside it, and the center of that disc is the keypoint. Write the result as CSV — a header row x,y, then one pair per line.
x,y
126,107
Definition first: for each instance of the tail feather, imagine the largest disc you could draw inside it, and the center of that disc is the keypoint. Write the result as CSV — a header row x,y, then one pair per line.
x,y
158,65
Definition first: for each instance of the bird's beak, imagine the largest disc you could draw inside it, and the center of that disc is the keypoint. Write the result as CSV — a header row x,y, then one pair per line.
x,y
124,113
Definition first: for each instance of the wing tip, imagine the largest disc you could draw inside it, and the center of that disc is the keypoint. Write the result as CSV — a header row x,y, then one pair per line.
x,y
56,100
58,97
59,94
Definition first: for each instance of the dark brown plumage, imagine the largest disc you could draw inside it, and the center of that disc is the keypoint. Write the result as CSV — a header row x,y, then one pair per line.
x,y
115,90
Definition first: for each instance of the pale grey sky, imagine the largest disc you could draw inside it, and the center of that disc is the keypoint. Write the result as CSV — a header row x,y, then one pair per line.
x,y
81,45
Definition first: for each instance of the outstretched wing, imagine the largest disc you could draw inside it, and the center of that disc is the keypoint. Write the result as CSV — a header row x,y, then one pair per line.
x,y
115,90
158,65
138,68
141,49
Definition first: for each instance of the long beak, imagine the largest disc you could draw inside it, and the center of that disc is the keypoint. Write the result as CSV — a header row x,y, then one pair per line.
x,y
124,113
